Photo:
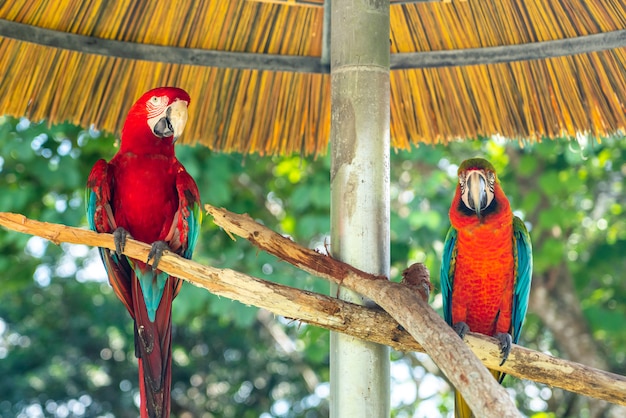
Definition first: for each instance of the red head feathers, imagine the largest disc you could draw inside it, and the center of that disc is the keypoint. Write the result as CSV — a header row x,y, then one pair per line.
x,y
155,121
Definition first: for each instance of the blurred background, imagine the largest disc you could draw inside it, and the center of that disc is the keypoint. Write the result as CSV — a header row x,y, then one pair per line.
x,y
66,347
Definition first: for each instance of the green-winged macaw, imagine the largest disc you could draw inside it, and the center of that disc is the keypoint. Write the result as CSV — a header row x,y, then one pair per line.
x,y
145,193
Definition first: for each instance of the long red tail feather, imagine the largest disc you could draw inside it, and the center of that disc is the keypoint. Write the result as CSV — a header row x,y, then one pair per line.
x,y
153,347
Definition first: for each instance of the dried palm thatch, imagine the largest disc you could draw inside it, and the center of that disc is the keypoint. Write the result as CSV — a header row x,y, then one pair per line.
x,y
523,69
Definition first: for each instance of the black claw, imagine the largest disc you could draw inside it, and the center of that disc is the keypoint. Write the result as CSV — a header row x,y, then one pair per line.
x,y
156,252
120,235
506,342
461,328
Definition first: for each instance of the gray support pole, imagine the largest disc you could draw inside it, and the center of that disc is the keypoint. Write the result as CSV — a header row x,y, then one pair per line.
x,y
359,370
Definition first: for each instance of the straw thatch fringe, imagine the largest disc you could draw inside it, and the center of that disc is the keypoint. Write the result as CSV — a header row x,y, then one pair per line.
x,y
231,110
265,112
553,98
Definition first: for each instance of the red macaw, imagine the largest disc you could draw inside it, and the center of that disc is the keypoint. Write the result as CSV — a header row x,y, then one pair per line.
x,y
487,263
145,192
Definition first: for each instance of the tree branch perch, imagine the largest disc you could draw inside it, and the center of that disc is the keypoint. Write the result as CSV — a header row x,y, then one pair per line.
x,y
360,322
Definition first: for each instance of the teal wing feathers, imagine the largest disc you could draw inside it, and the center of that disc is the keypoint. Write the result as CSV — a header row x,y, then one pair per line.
x,y
447,273
98,198
185,228
100,219
522,249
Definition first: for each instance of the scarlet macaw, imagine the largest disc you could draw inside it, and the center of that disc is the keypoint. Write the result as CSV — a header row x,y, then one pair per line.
x,y
487,263
144,192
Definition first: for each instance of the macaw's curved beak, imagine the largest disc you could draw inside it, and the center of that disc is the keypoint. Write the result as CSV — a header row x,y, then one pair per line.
x,y
172,121
477,196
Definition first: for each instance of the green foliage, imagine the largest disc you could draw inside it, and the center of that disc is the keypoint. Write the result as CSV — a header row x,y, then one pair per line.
x,y
66,341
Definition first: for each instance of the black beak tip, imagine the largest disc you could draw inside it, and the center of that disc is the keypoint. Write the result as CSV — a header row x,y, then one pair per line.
x,y
163,128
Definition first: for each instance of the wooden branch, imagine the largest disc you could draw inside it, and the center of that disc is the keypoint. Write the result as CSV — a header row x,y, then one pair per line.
x,y
361,322
480,390
522,362
334,314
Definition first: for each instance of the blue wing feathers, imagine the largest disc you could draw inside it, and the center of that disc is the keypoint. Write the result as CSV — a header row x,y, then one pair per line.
x,y
194,220
523,277
447,273
91,208
189,199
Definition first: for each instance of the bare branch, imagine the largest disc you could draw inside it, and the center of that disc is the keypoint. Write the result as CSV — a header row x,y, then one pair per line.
x,y
521,363
309,307
361,322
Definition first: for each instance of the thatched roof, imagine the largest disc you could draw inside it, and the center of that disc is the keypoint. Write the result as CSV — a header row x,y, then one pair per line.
x,y
460,69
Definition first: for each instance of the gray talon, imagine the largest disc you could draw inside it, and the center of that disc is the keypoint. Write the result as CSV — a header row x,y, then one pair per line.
x,y
506,342
120,235
461,328
156,252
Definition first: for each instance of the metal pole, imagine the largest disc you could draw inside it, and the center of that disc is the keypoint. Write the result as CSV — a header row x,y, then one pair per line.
x,y
359,370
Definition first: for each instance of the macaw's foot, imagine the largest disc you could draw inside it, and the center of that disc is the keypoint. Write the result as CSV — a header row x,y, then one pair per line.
x,y
461,328
120,235
156,252
506,342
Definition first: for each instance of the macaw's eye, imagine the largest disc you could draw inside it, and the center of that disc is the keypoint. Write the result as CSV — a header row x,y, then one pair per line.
x,y
154,99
